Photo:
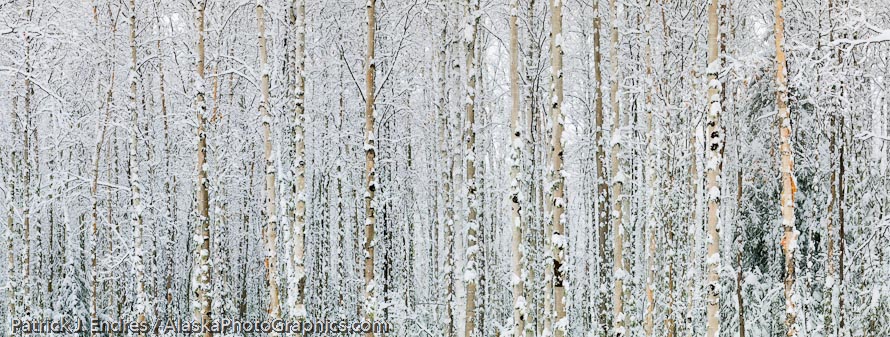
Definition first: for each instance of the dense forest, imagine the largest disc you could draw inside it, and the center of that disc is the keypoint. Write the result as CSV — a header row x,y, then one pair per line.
x,y
458,168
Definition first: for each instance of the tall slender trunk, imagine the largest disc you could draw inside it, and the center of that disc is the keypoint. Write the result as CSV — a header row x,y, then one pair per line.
x,y
840,192
543,303
370,148
135,185
652,183
830,281
447,179
11,230
602,186
517,258
618,272
51,251
741,245
829,230
26,174
445,136
729,19
842,242
695,225
713,171
270,232
245,224
559,240
671,244
789,238
94,187
201,283
533,215
341,218
471,272
168,190
298,276
112,175
669,321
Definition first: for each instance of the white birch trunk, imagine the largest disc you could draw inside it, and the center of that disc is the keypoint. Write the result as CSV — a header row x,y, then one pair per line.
x,y
789,186
370,148
270,232
517,258
135,184
713,168
618,273
298,271
471,270
651,221
201,279
558,241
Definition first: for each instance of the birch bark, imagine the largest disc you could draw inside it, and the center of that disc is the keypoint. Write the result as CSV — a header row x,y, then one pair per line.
x,y
201,283
135,185
298,276
518,270
370,305
471,272
270,232
789,186
618,272
713,168
558,241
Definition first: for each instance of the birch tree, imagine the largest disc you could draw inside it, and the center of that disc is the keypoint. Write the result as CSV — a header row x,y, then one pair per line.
x,y
713,167
517,268
789,187
651,181
298,224
558,240
447,179
602,188
370,305
135,184
618,271
270,232
27,167
201,280
432,171
471,269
